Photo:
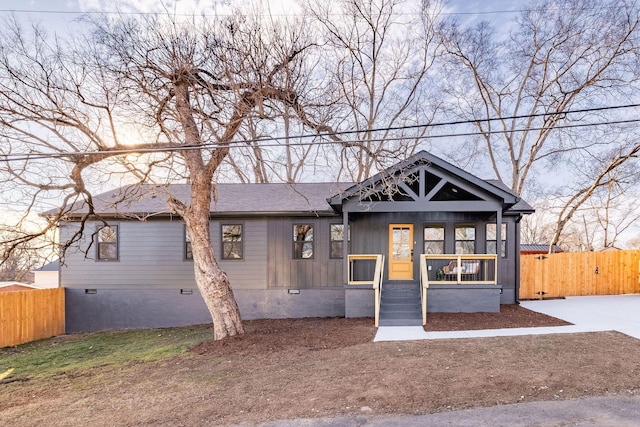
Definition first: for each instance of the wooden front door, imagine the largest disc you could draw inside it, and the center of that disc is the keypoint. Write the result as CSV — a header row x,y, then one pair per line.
x,y
400,251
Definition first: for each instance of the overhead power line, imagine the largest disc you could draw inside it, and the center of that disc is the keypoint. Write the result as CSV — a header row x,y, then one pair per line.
x,y
188,14
275,141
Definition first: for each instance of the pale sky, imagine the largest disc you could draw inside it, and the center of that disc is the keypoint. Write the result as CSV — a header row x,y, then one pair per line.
x,y
66,11
59,15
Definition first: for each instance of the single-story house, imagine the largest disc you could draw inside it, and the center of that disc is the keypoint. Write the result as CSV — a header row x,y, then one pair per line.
x,y
423,228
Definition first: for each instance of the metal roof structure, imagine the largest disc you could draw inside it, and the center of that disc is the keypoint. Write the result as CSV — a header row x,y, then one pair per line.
x,y
538,248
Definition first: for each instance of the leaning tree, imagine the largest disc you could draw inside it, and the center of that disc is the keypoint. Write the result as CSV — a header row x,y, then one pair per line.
x,y
150,99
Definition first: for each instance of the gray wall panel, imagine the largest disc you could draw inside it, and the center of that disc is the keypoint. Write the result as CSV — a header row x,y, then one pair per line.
x,y
132,309
317,272
463,299
279,304
359,302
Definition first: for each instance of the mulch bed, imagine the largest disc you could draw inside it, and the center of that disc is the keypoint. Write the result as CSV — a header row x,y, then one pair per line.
x,y
510,316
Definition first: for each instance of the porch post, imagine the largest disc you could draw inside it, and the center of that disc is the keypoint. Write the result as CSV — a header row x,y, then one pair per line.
x,y
498,242
345,246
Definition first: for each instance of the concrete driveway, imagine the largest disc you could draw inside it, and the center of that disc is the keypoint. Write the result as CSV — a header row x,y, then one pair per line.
x,y
594,313
587,314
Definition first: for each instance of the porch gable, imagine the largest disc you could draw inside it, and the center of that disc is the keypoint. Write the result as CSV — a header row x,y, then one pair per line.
x,y
424,182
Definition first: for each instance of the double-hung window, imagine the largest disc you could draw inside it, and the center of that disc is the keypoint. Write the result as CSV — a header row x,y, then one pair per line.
x,y
337,239
188,254
465,239
107,243
492,236
232,241
433,239
303,241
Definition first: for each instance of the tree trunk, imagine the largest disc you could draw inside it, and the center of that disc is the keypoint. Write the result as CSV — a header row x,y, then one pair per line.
x,y
212,281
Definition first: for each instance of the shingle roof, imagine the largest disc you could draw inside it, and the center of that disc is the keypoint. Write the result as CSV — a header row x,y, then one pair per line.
x,y
264,199
272,199
521,206
52,266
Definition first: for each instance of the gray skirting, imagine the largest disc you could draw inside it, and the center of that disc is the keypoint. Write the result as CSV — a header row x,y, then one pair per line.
x,y
102,309
463,298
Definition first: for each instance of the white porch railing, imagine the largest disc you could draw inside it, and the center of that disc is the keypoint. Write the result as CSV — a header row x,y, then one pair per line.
x,y
376,280
473,269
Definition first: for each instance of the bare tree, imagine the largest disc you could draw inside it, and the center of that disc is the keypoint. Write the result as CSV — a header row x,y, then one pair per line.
x,y
611,177
69,111
271,153
612,214
595,210
20,262
378,61
560,56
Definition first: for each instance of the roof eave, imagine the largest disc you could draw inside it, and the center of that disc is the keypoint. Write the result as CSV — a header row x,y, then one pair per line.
x,y
129,215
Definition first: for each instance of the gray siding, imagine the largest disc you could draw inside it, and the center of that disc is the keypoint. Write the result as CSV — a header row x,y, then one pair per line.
x,y
463,299
151,255
369,234
251,271
286,272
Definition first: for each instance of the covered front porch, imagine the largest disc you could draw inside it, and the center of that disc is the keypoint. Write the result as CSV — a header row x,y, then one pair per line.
x,y
447,283
440,238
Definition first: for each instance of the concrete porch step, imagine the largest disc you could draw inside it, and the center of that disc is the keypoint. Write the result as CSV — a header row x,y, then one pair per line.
x,y
400,322
400,304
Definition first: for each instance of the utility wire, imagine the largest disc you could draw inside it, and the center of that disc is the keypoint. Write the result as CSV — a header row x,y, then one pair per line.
x,y
188,14
268,142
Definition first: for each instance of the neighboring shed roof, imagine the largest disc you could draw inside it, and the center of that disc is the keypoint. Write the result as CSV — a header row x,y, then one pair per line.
x,y
537,248
52,266
230,199
15,286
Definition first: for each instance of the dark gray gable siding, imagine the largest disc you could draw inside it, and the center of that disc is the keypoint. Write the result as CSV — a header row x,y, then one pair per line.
x,y
490,195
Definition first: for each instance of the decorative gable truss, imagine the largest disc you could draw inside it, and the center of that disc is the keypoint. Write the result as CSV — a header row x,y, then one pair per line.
x,y
424,183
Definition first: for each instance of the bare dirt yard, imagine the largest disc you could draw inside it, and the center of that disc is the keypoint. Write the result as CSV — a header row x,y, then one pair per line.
x,y
309,368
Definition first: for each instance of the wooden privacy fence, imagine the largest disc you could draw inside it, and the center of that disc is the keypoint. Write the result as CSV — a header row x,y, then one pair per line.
x,y
31,315
579,274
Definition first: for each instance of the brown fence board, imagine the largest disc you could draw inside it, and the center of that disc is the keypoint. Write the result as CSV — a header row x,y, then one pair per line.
x,y
580,274
31,315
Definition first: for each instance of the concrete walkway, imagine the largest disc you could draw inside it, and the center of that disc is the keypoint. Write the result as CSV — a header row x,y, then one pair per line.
x,y
588,314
